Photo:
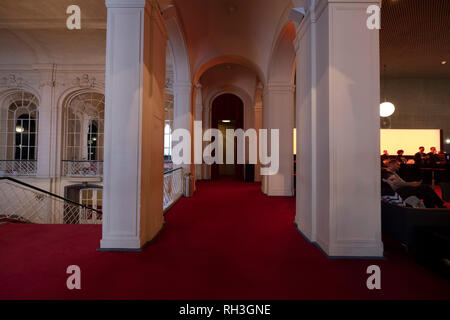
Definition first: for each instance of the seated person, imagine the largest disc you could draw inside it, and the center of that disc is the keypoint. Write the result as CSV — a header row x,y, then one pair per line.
x,y
416,188
385,155
390,196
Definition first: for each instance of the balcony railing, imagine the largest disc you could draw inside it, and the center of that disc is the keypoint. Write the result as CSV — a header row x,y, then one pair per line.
x,y
173,187
26,203
18,167
82,168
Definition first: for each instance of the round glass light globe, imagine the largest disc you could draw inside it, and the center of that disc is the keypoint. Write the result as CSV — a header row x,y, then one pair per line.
x,y
386,109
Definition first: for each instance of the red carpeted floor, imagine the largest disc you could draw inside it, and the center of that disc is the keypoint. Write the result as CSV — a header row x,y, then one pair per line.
x,y
227,242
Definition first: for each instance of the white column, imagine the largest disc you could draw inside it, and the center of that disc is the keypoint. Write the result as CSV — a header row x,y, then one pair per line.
x,y
198,117
306,126
258,117
348,221
134,124
206,168
182,110
279,114
46,135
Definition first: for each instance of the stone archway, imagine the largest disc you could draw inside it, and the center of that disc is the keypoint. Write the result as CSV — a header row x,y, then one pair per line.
x,y
278,111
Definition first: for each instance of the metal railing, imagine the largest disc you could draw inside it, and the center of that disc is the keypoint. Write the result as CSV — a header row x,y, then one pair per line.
x,y
173,187
82,168
26,203
18,167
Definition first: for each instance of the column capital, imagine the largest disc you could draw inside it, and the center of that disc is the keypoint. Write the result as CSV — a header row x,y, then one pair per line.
x,y
303,27
125,3
280,87
320,5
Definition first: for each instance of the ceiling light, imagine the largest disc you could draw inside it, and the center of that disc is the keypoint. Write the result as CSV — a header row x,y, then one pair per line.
x,y
386,109
19,129
226,121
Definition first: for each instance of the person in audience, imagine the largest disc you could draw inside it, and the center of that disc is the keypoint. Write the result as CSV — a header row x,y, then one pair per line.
x,y
416,188
433,157
384,158
420,157
390,196
400,156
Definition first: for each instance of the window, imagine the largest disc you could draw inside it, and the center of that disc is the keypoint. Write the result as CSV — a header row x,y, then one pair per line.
x,y
91,197
84,127
19,137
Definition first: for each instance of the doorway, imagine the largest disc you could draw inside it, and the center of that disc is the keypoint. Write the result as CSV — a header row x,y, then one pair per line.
x,y
227,113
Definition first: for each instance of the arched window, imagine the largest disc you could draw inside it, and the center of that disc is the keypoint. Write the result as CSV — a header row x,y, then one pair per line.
x,y
84,132
19,138
167,140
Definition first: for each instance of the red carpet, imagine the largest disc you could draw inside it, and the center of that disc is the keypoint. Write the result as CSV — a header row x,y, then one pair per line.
x,y
227,242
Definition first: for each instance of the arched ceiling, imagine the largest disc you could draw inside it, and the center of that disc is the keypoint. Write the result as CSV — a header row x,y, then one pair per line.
x,y
218,28
228,75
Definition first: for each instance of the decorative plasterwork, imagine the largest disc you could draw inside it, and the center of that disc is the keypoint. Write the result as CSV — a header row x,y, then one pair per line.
x,y
85,81
12,81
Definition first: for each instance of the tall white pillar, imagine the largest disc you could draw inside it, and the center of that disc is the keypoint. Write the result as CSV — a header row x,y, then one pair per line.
x,y
206,168
134,124
258,118
198,117
182,113
279,114
348,218
306,159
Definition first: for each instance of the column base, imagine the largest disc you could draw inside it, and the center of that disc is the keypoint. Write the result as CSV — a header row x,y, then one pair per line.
x,y
306,234
347,249
277,185
352,249
120,244
279,193
128,244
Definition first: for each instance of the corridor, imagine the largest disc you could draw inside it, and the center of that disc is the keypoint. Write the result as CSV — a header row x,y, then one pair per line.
x,y
229,241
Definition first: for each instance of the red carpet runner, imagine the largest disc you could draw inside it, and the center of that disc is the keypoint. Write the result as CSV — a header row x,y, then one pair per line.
x,y
227,242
